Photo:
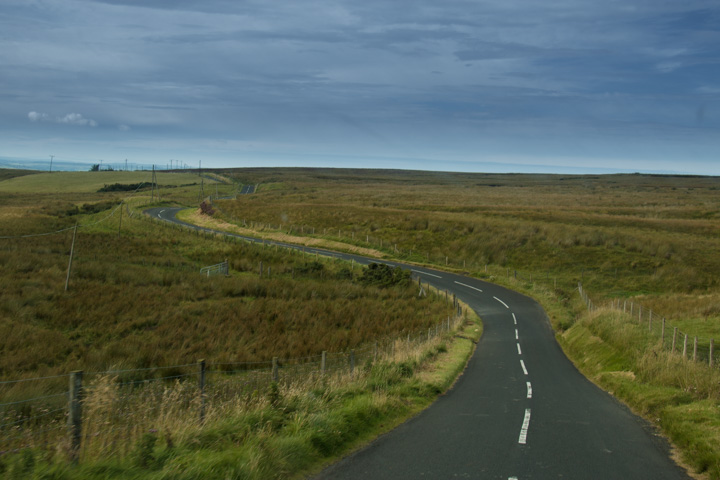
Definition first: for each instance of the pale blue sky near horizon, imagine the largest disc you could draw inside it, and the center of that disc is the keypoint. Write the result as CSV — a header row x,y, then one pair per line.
x,y
566,86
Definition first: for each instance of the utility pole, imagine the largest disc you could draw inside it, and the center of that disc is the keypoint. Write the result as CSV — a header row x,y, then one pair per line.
x,y
72,251
126,164
202,183
51,159
154,186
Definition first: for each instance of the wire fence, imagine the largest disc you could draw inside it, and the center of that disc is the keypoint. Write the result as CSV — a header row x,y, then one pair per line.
x,y
97,414
672,339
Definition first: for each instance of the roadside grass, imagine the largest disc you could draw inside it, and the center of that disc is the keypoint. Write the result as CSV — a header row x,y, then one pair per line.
x,y
678,395
287,432
193,216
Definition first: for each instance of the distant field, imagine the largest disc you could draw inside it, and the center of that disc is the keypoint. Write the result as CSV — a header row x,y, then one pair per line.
x,y
87,182
644,236
8,173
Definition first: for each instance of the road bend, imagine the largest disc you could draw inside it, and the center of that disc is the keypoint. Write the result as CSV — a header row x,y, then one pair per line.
x,y
521,410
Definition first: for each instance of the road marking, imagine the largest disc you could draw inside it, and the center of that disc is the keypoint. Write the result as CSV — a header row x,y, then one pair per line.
x,y
501,302
519,351
524,430
512,478
425,273
529,390
468,286
516,335
514,319
522,364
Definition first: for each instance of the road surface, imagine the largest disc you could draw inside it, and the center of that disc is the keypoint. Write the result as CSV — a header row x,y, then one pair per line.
x,y
521,410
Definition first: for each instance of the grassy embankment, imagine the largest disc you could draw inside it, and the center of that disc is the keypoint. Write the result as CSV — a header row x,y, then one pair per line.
x,y
289,431
649,239
136,300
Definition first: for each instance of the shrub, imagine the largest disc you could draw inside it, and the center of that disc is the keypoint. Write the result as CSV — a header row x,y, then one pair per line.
x,y
382,275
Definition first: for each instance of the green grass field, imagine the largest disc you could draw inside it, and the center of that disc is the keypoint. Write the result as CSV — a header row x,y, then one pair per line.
x,y
90,182
137,301
652,240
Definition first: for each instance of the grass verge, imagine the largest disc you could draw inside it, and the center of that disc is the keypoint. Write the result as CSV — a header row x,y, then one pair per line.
x,y
678,395
287,432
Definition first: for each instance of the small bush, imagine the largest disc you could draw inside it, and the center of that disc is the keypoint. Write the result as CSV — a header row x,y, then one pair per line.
x,y
382,275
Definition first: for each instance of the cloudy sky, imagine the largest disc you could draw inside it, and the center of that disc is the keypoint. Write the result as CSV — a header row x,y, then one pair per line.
x,y
466,85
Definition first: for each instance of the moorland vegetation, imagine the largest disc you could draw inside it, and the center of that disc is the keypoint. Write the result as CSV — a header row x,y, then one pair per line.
x,y
136,301
649,240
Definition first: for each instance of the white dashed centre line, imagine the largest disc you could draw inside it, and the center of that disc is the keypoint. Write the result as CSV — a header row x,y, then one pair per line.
x,y
525,426
519,351
512,478
501,302
425,273
468,286
516,334
529,390
514,319
522,364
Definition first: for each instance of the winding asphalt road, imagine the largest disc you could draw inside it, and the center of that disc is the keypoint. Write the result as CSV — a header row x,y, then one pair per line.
x,y
520,410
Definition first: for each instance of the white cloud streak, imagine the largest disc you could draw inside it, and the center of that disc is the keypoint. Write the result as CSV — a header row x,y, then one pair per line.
x,y
69,119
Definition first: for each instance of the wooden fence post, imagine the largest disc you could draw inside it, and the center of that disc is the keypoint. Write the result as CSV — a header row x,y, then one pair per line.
x,y
695,343
712,347
674,342
201,387
685,347
662,333
75,414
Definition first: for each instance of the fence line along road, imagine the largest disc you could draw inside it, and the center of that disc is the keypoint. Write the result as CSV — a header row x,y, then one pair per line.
x,y
105,413
669,336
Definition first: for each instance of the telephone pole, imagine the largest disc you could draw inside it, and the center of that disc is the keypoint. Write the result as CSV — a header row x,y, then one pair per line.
x,y
72,251
51,159
154,186
202,183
